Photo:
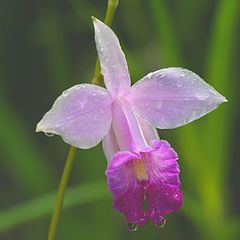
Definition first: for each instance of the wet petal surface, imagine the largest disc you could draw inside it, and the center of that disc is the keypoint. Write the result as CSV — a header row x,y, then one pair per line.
x,y
173,97
112,60
81,116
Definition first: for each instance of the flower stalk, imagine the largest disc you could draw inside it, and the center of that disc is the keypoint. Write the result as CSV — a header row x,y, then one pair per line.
x,y
111,8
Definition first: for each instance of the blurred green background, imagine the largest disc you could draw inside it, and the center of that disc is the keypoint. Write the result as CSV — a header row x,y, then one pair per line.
x,y
47,46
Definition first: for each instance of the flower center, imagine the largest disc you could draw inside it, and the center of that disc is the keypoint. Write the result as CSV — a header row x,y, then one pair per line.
x,y
140,170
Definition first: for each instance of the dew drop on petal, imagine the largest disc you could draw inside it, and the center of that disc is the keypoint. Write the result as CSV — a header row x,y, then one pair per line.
x,y
182,73
162,74
132,227
202,97
160,222
49,134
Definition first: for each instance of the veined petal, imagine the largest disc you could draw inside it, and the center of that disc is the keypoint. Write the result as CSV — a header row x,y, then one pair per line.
x,y
163,193
173,97
113,63
153,173
128,194
81,116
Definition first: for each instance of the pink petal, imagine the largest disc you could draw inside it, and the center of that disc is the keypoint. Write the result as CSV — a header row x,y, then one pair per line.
x,y
163,192
128,193
173,97
126,127
110,144
153,173
81,116
113,63
150,133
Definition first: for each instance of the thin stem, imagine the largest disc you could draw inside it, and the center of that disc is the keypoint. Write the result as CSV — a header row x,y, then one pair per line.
x,y
61,192
111,8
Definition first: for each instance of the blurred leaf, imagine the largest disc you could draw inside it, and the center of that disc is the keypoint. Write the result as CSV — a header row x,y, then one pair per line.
x,y
24,161
43,205
218,125
166,36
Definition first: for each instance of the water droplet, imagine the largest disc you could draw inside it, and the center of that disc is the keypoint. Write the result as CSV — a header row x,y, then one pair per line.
x,y
101,49
182,73
159,105
146,104
132,227
149,75
65,93
201,97
48,134
162,74
160,222
102,111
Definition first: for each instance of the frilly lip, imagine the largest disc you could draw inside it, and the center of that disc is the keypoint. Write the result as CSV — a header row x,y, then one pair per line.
x,y
161,188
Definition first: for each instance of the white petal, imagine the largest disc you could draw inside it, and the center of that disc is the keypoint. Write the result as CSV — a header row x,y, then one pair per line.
x,y
81,116
173,97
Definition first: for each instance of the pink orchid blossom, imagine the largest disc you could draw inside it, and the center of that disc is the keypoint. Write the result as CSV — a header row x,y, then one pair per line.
x,y
140,166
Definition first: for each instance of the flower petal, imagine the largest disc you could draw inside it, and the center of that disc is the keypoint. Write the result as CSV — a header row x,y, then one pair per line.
x,y
163,191
173,97
128,194
110,144
150,133
153,172
81,116
113,63
126,127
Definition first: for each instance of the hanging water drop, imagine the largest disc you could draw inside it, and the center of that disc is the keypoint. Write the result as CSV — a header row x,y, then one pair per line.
x,y
48,134
160,222
132,227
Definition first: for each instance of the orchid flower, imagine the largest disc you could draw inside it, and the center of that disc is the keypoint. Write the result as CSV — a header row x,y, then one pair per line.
x,y
140,166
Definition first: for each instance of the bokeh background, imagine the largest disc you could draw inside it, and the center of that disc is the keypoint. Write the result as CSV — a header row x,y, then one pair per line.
x,y
47,46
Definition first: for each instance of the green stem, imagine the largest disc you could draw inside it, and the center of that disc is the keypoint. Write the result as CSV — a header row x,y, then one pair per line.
x,y
61,192
111,8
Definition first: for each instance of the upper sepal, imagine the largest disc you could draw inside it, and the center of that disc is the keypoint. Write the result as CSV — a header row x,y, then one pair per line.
x,y
112,60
